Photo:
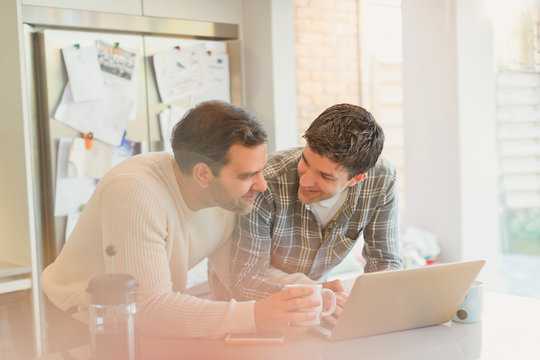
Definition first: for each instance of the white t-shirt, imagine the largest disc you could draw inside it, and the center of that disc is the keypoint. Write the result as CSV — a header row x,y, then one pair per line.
x,y
325,210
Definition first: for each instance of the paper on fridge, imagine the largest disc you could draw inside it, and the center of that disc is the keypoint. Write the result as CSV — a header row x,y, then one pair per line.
x,y
89,163
119,68
106,118
164,127
220,84
167,120
127,149
176,114
181,73
72,220
71,193
84,73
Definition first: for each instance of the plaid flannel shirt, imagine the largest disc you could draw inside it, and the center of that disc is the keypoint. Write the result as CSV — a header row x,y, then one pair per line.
x,y
283,233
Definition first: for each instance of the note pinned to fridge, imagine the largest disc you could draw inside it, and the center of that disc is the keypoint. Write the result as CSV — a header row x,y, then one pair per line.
x,y
176,114
167,120
84,73
78,169
106,118
220,85
164,127
71,193
124,151
72,220
181,72
89,163
119,68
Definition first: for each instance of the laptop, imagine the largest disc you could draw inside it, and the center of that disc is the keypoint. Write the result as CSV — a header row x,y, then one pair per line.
x,y
395,300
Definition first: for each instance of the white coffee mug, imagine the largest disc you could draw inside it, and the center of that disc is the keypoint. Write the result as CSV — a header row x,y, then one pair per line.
x,y
470,310
318,293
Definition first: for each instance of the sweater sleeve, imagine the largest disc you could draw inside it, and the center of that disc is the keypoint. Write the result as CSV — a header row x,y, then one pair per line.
x,y
134,217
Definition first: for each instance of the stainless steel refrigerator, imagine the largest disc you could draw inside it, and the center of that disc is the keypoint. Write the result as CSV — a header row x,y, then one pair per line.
x,y
46,33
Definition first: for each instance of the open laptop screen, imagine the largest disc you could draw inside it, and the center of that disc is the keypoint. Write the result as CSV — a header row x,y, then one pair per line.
x,y
396,300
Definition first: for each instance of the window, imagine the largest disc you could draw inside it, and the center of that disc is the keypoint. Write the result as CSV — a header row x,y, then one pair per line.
x,y
516,29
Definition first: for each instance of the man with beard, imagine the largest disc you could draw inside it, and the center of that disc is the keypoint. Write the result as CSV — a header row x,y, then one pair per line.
x,y
165,214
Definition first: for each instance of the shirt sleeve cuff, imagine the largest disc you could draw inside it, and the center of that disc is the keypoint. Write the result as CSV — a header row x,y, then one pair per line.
x,y
246,310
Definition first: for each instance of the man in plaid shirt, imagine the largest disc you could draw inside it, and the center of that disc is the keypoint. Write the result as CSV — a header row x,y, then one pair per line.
x,y
320,201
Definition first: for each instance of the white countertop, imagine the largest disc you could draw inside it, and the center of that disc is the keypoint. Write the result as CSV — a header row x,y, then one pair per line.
x,y
509,330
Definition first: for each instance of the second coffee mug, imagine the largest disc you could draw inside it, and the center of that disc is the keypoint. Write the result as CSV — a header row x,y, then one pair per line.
x,y
470,310
318,293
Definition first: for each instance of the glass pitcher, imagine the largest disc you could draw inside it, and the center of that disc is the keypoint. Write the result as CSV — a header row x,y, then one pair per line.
x,y
111,313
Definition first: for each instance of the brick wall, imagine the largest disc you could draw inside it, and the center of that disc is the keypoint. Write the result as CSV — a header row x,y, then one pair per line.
x,y
327,63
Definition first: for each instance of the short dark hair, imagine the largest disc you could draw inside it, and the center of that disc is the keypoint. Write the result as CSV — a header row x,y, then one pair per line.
x,y
348,135
208,130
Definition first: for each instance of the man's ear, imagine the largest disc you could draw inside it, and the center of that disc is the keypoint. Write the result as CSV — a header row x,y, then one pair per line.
x,y
202,174
355,180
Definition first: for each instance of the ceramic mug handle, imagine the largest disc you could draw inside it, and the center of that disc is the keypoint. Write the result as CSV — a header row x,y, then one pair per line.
x,y
332,307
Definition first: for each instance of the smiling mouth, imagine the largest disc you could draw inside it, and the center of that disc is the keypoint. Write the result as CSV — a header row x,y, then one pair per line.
x,y
309,191
250,196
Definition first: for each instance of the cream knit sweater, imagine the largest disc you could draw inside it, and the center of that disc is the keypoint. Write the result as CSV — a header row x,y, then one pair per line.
x,y
138,207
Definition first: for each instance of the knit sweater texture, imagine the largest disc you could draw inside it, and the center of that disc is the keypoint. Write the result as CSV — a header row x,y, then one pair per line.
x,y
138,207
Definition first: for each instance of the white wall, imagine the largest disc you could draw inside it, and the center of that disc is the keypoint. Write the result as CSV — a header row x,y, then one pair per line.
x,y
479,171
449,119
284,71
270,70
430,110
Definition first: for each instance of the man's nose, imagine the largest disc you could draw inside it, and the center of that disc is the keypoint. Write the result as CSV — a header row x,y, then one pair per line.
x,y
307,179
260,183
